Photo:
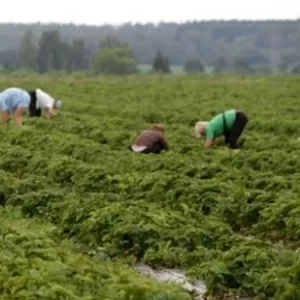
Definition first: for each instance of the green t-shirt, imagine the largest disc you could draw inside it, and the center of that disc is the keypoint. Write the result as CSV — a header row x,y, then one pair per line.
x,y
215,126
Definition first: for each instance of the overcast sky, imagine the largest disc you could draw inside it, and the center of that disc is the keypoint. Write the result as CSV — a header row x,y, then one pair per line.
x,y
143,11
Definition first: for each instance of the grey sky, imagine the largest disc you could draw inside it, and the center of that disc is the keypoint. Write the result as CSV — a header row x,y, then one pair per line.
x,y
120,11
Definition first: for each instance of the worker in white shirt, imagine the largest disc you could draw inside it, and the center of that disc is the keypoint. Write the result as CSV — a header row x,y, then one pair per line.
x,y
40,100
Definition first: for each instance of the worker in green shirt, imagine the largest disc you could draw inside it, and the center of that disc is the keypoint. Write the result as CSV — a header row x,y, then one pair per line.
x,y
230,124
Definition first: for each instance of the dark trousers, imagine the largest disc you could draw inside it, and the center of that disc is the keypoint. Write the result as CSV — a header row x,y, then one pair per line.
x,y
156,148
232,136
33,111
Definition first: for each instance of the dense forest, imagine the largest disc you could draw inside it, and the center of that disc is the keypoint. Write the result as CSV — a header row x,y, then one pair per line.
x,y
272,45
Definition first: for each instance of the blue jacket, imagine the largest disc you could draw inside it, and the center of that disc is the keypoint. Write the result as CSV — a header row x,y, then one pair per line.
x,y
13,98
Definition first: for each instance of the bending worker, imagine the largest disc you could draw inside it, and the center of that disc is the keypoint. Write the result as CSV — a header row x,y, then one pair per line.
x,y
14,101
151,141
40,100
230,124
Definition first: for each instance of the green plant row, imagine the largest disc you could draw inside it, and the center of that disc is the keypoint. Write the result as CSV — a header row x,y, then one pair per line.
x,y
230,220
34,265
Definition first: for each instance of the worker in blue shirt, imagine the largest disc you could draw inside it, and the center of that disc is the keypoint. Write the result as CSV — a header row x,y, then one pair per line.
x,y
13,102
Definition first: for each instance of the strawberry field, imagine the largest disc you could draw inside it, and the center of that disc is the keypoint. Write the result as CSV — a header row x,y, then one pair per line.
x,y
79,210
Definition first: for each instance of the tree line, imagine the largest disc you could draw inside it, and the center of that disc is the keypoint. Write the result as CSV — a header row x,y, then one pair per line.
x,y
54,54
223,45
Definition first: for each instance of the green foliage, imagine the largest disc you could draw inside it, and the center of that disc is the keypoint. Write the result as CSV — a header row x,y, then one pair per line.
x,y
240,66
27,52
261,44
161,63
221,65
193,66
49,54
54,54
36,266
229,219
115,61
111,41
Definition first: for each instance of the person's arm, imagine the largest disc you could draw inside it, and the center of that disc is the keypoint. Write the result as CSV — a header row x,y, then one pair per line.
x,y
50,113
208,143
46,103
209,138
164,143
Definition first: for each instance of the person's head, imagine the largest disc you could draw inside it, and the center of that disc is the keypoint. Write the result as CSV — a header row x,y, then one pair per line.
x,y
158,127
57,104
200,128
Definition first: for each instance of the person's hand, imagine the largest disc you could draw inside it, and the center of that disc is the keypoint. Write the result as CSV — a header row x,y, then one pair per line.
x,y
236,151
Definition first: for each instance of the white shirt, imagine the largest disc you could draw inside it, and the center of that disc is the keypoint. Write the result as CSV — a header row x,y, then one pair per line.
x,y
136,148
43,100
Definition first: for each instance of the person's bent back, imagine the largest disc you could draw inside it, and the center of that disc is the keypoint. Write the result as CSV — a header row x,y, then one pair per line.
x,y
230,124
13,102
40,100
151,141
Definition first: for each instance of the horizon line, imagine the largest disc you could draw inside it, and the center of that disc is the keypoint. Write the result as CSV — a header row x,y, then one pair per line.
x,y
47,23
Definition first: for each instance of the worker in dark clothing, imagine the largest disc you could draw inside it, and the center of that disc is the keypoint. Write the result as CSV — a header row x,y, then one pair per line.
x,y
151,141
